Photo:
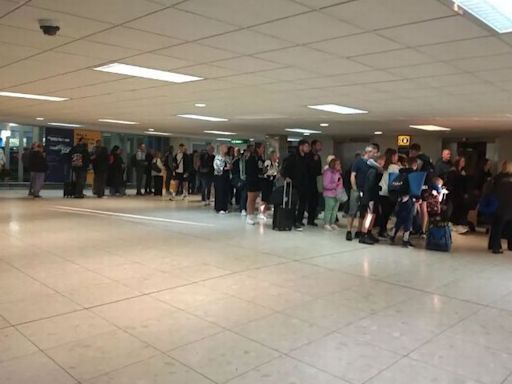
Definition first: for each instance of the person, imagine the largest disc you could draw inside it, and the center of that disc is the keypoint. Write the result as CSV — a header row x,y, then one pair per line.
x,y
116,169
230,158
99,160
359,172
157,173
502,221
386,205
316,177
405,207
193,184
222,168
484,174
444,164
168,169
80,164
140,168
182,165
205,172
239,180
332,186
25,159
149,172
456,182
38,166
254,176
370,197
271,168
297,169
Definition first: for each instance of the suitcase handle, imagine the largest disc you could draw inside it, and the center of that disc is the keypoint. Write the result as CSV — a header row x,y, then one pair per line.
x,y
290,194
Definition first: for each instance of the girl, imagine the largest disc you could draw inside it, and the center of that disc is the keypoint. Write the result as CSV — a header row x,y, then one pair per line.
x,y
222,168
254,174
271,167
385,203
333,185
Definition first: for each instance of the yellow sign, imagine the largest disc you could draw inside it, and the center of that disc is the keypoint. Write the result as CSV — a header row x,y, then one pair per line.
x,y
404,141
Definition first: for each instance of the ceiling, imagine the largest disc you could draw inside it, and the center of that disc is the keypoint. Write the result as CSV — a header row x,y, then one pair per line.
x,y
405,61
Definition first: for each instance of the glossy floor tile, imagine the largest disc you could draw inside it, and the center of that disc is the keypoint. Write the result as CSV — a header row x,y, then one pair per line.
x,y
144,290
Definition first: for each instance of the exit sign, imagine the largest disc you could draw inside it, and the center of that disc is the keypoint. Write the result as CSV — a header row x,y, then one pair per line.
x,y
239,141
404,141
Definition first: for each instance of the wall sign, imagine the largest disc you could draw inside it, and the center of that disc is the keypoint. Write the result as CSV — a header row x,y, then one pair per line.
x,y
404,141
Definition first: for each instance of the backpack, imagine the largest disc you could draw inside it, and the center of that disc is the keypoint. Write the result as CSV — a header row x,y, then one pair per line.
x,y
433,205
398,185
77,160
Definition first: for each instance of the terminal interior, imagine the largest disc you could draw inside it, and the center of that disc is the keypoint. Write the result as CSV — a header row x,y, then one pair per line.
x,y
162,289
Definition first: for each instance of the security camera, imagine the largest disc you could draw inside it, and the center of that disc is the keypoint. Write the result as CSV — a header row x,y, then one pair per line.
x,y
49,27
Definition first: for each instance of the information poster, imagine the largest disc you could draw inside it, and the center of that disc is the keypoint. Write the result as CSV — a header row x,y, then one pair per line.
x,y
90,138
58,143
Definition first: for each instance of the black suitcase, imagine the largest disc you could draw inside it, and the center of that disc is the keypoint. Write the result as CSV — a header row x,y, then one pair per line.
x,y
284,214
69,189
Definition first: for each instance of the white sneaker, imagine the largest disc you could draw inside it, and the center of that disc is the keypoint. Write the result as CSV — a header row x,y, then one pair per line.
x,y
327,228
250,221
222,212
243,213
262,216
334,227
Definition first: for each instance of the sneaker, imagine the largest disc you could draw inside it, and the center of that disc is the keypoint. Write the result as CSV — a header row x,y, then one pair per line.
x,y
334,227
328,228
463,229
243,213
392,239
222,212
299,227
262,216
250,221
423,235
365,239
372,237
358,235
348,236
383,236
407,244
313,224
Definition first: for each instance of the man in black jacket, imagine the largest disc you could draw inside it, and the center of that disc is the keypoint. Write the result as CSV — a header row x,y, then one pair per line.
x,y
100,162
297,168
80,164
315,173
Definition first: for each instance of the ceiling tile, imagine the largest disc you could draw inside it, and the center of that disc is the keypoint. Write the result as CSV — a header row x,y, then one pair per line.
x,y
243,13
113,11
287,74
134,39
356,45
180,25
349,79
245,42
297,56
6,6
307,28
376,14
448,80
196,53
248,79
496,76
424,70
28,38
247,64
11,53
71,26
484,46
97,50
155,61
391,59
317,4
479,88
435,31
208,71
338,66
484,63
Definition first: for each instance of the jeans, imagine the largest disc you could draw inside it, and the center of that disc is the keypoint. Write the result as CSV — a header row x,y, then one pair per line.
x,y
222,185
80,179
205,183
37,182
404,215
304,199
140,172
243,197
331,209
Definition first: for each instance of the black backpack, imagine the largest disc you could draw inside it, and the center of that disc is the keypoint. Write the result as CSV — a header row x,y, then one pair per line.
x,y
399,186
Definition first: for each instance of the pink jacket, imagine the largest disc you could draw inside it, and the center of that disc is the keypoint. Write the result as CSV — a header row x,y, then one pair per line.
x,y
333,182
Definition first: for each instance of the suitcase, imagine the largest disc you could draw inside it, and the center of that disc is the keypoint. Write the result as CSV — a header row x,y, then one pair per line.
x,y
284,214
69,189
439,238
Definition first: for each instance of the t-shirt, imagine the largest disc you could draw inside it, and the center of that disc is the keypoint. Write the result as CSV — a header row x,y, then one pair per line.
x,y
384,182
360,167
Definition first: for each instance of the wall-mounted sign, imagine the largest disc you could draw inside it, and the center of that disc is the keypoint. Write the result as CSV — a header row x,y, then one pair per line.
x,y
404,141
239,141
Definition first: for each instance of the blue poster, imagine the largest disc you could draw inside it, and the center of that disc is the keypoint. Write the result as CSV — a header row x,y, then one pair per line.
x,y
58,143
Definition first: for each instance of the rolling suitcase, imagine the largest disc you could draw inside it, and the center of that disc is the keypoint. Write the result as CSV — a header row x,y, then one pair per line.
x,y
284,214
439,238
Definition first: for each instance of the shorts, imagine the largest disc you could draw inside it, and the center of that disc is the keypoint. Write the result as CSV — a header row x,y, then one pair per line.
x,y
267,187
254,185
181,177
354,203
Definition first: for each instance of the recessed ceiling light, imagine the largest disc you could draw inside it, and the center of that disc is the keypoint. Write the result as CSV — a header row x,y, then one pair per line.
x,y
301,130
200,105
220,133
152,132
430,128
307,134
324,125
495,13
147,73
377,133
35,97
39,118
337,109
118,121
200,117
65,125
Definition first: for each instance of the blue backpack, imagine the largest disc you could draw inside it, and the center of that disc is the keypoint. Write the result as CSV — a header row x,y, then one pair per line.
x,y
439,238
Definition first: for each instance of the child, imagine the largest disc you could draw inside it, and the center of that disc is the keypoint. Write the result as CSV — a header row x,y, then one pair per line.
x,y
333,184
435,199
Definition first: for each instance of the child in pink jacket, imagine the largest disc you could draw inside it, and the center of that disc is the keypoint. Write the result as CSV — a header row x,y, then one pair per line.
x,y
333,184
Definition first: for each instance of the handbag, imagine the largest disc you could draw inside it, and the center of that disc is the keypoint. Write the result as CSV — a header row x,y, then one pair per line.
x,y
155,168
341,195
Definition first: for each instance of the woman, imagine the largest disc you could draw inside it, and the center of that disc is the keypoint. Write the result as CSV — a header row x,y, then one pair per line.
x,y
157,173
271,169
230,158
456,183
222,182
332,186
38,167
254,175
502,221
386,205
116,172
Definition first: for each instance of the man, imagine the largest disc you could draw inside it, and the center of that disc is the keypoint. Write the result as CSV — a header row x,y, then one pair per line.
x,y
315,173
168,169
140,167
424,165
149,177
206,173
444,164
100,163
370,197
182,165
79,165
297,168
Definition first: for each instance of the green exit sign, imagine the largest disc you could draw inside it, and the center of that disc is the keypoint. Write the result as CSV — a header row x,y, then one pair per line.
x,y
239,141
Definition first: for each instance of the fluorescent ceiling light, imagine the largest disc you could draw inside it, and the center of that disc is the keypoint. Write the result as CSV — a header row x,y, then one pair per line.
x,y
35,97
430,128
147,73
324,125
200,117
223,139
220,132
293,139
39,118
150,129
200,105
158,133
118,121
377,133
495,13
65,125
337,109
13,125
300,130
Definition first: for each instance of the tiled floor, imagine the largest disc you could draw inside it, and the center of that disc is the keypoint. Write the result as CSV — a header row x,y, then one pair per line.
x,y
143,290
